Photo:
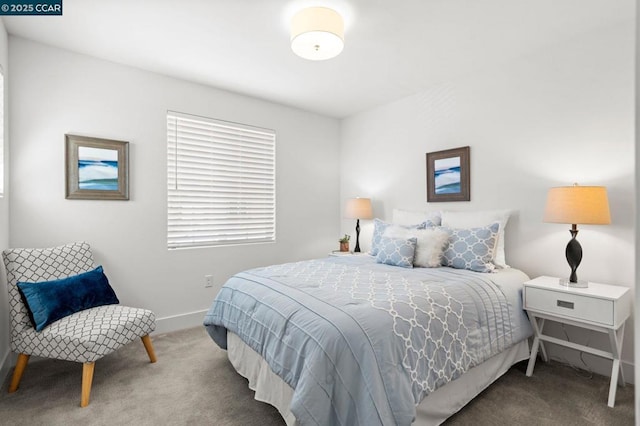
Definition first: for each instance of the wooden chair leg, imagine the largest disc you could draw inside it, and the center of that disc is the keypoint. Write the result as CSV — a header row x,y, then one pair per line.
x,y
21,364
87,380
146,340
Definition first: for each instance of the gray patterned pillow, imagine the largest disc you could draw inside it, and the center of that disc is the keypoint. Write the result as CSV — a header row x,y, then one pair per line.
x,y
380,226
397,251
471,248
430,243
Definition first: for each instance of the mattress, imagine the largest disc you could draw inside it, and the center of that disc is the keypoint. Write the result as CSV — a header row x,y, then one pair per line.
x,y
365,343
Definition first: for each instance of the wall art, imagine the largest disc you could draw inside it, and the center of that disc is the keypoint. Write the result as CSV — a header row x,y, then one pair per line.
x,y
448,175
96,169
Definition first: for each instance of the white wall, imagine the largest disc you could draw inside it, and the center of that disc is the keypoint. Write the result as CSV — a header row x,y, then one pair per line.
x,y
553,117
637,221
57,92
4,211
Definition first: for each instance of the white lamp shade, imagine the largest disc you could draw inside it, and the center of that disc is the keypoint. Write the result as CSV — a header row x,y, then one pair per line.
x,y
317,33
578,205
358,208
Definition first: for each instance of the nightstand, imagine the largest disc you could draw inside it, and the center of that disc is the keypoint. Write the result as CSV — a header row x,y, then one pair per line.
x,y
599,307
346,253
340,253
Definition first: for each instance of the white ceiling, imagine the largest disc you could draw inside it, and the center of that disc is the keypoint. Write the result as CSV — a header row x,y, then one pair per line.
x,y
393,48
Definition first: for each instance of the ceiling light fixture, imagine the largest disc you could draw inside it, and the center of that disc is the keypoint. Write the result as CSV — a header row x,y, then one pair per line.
x,y
317,33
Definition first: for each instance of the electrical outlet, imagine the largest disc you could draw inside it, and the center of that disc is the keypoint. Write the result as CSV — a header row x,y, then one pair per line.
x,y
208,281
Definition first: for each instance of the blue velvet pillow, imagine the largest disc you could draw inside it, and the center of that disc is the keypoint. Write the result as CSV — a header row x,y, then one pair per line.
x,y
49,301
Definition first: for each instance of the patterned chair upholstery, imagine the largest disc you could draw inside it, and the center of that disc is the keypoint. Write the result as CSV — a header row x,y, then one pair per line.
x,y
85,336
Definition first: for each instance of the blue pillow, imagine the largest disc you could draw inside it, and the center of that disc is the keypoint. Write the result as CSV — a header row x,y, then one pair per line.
x,y
380,226
397,251
378,229
50,301
471,249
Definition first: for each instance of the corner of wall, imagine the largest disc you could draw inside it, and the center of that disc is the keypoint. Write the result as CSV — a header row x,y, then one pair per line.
x,y
6,359
637,219
6,362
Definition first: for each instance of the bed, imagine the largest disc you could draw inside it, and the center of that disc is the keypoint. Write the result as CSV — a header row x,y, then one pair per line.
x,y
307,336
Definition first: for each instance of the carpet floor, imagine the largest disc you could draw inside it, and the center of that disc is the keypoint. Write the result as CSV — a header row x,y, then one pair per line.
x,y
193,383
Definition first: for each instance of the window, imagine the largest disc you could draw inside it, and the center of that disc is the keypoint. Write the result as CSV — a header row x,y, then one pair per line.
x,y
221,182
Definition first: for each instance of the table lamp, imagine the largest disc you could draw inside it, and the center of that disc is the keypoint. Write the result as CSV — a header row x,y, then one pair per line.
x,y
587,205
358,208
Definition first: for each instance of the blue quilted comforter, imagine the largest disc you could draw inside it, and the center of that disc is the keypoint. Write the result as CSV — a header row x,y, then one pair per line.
x,y
363,343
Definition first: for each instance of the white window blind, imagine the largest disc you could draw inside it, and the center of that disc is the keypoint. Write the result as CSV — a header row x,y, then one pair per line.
x,y
221,182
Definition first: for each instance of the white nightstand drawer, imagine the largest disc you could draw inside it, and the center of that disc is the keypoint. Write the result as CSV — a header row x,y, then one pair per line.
x,y
570,305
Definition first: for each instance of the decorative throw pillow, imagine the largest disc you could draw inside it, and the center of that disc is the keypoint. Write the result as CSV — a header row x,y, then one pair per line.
x,y
430,243
50,301
480,218
397,251
379,227
471,248
408,217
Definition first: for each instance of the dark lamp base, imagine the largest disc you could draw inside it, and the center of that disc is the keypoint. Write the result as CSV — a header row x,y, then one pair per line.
x,y
357,247
574,256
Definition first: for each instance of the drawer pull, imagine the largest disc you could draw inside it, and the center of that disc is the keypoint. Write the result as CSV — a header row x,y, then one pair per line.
x,y
563,304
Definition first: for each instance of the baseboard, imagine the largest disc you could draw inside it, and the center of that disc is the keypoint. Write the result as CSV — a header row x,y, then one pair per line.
x,y
584,360
595,364
163,325
179,322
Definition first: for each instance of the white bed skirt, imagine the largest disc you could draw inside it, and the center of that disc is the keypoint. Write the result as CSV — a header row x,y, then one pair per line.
x,y
433,410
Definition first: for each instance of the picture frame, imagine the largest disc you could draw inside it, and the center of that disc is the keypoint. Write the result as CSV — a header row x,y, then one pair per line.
x,y
448,175
96,169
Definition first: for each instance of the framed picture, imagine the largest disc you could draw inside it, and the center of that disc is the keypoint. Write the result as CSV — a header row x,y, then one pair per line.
x,y
97,169
448,175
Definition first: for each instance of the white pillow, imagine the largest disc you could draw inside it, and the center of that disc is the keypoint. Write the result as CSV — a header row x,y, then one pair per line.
x,y
474,219
430,243
407,217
